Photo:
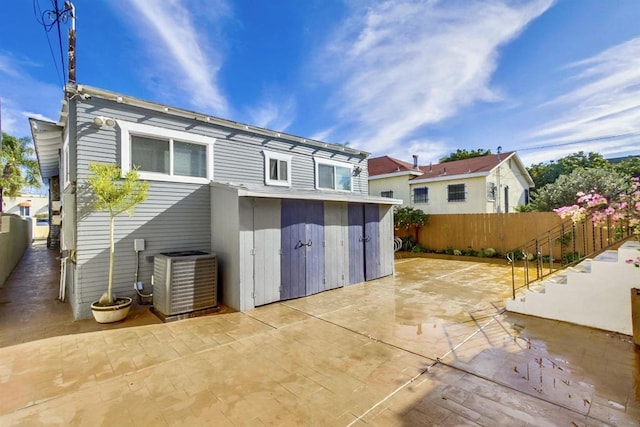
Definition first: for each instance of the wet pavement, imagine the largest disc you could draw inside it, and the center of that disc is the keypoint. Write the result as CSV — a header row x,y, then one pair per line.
x,y
430,346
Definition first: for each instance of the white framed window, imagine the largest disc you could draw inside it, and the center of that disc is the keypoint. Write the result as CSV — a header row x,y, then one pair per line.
x,y
166,155
277,168
333,175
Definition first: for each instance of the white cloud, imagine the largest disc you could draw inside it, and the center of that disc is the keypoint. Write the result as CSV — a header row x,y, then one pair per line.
x,y
274,115
23,96
601,114
181,51
402,65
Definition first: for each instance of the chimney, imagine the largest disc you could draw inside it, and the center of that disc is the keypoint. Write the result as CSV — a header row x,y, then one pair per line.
x,y
415,161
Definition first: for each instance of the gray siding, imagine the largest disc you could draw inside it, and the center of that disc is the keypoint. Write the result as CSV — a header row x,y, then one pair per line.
x,y
225,242
175,216
386,241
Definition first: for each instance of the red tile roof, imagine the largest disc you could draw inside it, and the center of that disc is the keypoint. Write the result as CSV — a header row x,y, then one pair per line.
x,y
466,166
385,164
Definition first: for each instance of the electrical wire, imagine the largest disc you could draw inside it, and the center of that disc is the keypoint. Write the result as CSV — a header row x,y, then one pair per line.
x,y
48,19
580,141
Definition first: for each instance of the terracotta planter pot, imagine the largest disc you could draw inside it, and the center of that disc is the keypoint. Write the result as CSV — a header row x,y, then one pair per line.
x,y
111,313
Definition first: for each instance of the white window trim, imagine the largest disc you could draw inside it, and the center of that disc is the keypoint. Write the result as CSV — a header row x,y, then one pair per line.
x,y
321,161
129,128
268,155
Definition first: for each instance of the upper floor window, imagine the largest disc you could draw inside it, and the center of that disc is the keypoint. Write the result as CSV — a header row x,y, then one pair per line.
x,y
388,194
25,210
277,168
456,193
333,175
421,195
165,154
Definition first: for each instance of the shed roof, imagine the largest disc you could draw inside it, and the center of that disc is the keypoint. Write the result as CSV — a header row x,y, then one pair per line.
x,y
254,190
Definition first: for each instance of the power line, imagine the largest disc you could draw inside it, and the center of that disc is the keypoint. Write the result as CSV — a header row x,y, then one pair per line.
x,y
580,141
48,19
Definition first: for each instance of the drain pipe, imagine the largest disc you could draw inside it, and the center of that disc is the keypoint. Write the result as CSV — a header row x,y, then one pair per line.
x,y
63,279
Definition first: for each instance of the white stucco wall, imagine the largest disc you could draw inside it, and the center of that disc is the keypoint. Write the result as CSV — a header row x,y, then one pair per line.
x,y
398,184
589,298
39,204
477,200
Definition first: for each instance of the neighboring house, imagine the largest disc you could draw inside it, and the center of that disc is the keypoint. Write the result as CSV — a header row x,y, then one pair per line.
x,y
27,205
496,183
286,216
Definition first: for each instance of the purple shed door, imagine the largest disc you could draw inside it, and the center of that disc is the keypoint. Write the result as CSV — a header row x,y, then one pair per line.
x,y
315,247
371,242
292,263
356,249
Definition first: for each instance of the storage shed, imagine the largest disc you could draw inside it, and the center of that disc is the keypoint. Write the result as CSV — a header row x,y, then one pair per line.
x,y
275,245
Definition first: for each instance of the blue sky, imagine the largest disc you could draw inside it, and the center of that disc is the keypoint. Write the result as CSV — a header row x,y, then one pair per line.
x,y
402,77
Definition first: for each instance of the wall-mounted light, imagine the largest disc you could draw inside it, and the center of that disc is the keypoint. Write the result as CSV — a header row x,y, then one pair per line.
x,y
357,170
101,121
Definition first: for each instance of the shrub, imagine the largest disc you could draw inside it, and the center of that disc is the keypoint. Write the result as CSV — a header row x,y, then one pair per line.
x,y
457,252
489,252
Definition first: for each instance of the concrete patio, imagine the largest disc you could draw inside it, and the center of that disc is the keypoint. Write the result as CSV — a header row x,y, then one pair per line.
x,y
430,346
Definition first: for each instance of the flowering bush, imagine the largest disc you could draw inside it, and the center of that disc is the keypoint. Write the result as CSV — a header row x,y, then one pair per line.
x,y
622,214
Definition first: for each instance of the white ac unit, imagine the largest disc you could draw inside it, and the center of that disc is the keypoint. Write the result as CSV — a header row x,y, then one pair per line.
x,y
184,281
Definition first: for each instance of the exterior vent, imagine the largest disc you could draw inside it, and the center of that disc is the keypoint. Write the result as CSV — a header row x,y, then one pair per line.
x,y
184,282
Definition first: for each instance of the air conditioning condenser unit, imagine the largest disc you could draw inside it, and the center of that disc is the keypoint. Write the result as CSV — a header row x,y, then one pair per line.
x,y
184,282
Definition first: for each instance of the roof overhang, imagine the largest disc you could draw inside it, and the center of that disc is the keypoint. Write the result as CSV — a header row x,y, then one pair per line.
x,y
47,138
394,175
247,190
448,177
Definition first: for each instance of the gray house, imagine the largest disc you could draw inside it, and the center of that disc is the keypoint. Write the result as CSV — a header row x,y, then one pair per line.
x,y
286,216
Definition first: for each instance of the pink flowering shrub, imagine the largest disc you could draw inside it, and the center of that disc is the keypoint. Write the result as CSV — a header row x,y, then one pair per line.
x,y
619,214
622,215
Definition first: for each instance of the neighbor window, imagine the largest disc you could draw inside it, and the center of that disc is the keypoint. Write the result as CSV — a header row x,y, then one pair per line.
x,y
491,192
421,195
333,175
24,210
456,193
388,194
166,155
277,168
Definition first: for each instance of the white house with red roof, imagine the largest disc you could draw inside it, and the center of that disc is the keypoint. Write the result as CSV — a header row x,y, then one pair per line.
x,y
496,183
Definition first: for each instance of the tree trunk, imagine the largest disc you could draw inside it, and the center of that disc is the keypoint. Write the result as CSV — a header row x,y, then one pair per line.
x,y
1,199
111,251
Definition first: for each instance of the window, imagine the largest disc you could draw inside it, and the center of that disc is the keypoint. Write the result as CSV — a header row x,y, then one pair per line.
x,y
166,155
421,195
24,210
333,175
388,194
526,196
456,193
491,192
277,168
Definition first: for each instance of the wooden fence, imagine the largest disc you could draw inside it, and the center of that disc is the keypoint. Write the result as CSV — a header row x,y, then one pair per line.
x,y
502,232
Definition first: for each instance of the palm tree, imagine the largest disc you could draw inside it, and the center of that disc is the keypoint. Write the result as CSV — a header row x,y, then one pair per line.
x,y
18,166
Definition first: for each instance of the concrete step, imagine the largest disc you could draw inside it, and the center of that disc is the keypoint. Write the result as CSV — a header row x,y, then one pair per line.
x,y
583,267
607,256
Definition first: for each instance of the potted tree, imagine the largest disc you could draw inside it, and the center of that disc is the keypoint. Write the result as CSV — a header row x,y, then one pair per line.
x,y
114,195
